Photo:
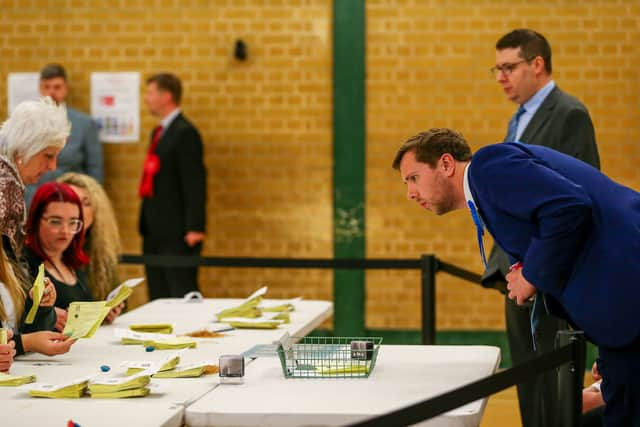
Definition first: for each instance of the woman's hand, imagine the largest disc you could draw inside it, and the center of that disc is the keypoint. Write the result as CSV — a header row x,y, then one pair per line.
x,y
61,319
47,342
115,312
48,295
7,352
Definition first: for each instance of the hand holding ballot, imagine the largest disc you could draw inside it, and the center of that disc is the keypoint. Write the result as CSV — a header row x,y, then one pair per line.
x,y
49,294
43,293
7,350
47,342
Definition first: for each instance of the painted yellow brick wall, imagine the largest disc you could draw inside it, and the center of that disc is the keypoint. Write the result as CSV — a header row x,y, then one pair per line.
x,y
267,123
428,66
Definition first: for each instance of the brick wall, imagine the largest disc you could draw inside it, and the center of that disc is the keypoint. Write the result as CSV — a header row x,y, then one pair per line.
x,y
267,124
428,66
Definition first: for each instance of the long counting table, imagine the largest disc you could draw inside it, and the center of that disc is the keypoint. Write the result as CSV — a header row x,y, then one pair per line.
x,y
403,375
163,408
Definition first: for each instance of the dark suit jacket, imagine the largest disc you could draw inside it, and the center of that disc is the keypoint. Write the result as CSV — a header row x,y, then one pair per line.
x,y
576,231
562,123
178,202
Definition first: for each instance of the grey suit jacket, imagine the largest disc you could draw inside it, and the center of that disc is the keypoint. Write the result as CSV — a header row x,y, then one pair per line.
x,y
82,153
563,123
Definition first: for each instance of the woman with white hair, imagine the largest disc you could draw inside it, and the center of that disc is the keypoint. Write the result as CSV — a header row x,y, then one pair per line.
x,y
30,140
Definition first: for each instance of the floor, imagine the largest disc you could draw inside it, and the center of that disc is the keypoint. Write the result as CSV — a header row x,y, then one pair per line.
x,y
502,410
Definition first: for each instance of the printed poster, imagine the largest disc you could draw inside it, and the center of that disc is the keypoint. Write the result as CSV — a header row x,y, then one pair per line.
x,y
22,87
115,106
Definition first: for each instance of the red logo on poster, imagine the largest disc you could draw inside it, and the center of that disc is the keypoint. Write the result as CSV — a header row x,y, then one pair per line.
x,y
109,100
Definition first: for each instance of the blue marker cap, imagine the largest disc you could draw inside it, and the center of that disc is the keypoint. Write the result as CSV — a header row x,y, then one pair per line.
x,y
105,368
150,348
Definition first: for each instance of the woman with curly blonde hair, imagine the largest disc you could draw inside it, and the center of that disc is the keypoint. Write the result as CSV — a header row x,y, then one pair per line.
x,y
102,239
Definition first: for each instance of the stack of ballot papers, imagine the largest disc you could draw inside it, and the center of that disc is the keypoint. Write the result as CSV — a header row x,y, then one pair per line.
x,y
185,371
248,308
116,388
154,328
266,321
158,341
164,364
7,380
66,390
279,306
172,343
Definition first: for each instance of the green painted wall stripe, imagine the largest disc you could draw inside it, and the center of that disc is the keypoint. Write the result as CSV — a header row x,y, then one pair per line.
x,y
349,162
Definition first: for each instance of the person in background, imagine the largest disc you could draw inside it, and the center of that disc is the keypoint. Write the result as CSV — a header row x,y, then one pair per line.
x,y
546,116
102,238
55,236
592,402
83,152
173,190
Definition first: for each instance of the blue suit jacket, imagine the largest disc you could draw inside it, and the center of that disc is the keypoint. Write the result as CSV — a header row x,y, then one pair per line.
x,y
576,231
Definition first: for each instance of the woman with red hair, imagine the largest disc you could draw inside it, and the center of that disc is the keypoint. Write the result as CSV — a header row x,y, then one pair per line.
x,y
55,236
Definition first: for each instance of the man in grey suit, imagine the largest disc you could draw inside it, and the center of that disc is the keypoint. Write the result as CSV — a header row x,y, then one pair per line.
x,y
83,151
550,117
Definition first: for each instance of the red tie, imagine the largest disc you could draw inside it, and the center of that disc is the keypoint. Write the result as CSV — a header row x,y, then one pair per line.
x,y
151,166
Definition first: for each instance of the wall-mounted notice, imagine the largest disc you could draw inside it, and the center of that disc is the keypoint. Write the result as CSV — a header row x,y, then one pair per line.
x,y
115,106
22,87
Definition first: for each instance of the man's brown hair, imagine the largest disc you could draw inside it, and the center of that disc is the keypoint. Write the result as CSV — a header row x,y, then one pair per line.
x,y
429,146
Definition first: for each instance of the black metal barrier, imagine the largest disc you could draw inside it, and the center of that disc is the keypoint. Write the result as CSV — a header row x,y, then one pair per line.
x,y
569,356
428,264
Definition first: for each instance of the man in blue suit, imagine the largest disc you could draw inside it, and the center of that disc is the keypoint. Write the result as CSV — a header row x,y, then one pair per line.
x,y
575,233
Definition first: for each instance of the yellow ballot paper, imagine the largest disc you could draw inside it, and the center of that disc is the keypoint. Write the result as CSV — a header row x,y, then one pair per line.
x,y
7,380
38,289
106,385
347,369
69,389
263,322
155,328
167,363
132,337
117,388
248,308
122,292
172,343
280,306
85,318
187,371
132,392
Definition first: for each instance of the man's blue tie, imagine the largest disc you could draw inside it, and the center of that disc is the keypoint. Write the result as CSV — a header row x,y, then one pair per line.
x,y
480,230
512,130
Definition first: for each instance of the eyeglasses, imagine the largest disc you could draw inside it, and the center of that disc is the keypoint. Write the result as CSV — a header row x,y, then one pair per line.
x,y
507,68
56,223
